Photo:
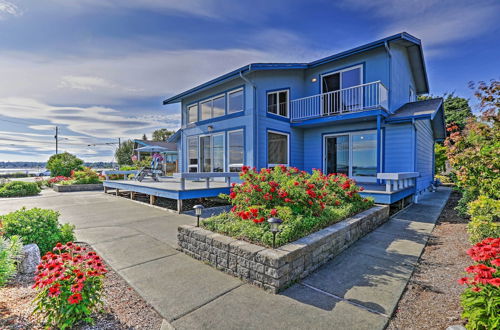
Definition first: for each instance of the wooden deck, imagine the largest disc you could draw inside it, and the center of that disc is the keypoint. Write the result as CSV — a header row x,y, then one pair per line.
x,y
168,188
172,188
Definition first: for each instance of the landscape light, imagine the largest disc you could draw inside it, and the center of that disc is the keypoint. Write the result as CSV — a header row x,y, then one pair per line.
x,y
274,224
197,210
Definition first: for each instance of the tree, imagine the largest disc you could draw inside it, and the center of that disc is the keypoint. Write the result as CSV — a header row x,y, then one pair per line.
x,y
124,153
144,137
456,109
162,134
63,164
474,152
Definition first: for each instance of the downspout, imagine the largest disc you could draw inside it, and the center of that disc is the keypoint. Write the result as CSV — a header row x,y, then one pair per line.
x,y
255,116
379,147
389,59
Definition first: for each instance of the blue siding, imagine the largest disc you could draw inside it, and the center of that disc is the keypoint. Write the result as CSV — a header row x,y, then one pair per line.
x,y
277,80
375,67
399,148
313,141
401,77
424,153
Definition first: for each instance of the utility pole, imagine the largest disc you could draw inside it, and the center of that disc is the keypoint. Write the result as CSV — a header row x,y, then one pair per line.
x,y
119,142
56,137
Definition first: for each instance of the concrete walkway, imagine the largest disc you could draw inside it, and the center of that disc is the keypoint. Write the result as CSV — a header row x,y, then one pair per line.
x,y
359,289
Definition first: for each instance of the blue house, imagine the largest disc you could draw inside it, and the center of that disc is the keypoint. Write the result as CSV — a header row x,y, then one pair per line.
x,y
355,112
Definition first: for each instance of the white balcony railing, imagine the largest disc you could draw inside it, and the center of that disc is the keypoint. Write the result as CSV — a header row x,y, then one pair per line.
x,y
357,98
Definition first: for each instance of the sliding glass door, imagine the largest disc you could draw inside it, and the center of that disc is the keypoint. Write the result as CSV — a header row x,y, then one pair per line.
x,y
206,153
341,93
353,154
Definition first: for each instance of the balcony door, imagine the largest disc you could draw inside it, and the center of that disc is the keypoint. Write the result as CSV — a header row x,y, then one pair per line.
x,y
353,154
339,91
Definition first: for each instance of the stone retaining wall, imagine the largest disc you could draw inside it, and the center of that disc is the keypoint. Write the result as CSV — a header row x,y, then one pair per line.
x,y
77,187
275,269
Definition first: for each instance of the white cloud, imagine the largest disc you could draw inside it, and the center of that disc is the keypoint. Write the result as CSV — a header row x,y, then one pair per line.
x,y
438,23
8,9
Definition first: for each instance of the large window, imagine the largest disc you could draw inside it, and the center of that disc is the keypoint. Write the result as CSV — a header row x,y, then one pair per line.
x,y
214,107
277,103
235,101
192,142
235,150
277,149
193,113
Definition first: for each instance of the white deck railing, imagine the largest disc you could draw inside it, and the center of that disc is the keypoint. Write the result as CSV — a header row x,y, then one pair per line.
x,y
358,98
398,181
205,175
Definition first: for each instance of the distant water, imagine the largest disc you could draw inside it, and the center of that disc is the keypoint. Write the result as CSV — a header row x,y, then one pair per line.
x,y
23,170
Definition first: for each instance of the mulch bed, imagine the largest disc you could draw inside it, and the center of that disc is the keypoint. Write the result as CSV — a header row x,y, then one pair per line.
x,y
123,307
432,297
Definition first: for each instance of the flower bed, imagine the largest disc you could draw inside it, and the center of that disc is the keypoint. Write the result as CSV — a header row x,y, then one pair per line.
x,y
275,269
84,180
304,202
481,299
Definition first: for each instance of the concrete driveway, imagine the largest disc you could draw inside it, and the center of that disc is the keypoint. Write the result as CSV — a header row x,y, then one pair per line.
x,y
359,289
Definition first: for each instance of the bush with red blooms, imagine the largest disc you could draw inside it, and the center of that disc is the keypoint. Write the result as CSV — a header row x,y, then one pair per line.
x,y
261,193
305,202
69,283
57,179
481,299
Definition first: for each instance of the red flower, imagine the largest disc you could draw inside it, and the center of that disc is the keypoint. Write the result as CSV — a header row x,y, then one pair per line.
x,y
274,212
77,287
288,200
232,195
75,298
463,280
496,262
54,290
494,281
476,289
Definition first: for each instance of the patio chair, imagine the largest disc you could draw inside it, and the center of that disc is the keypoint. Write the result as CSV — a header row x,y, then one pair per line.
x,y
152,170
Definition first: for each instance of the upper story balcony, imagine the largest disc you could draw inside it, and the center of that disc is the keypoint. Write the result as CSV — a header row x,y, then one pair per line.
x,y
358,98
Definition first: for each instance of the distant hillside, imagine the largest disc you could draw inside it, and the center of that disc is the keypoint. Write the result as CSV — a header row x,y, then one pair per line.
x,y
42,164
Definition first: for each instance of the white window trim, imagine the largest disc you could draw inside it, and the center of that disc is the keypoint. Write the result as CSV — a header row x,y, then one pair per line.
x,y
277,106
197,112
227,100
350,134
288,148
228,146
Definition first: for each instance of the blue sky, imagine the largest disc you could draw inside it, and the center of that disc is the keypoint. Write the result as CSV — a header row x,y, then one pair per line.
x,y
99,69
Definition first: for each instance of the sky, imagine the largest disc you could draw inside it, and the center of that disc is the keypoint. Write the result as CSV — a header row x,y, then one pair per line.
x,y
99,69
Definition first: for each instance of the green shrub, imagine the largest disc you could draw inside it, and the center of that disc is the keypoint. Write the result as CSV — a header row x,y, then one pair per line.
x,y
10,252
85,176
128,168
443,178
72,291
39,226
305,202
19,189
484,215
63,164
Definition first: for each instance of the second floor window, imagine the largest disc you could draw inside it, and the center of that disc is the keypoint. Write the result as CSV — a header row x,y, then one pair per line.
x,y
235,101
193,113
214,107
277,103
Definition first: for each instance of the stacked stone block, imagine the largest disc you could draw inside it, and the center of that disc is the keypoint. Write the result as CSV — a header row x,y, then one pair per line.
x,y
275,269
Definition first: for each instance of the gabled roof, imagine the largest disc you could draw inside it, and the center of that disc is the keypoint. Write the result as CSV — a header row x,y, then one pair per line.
x,y
168,145
175,137
426,109
414,51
